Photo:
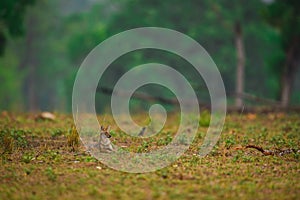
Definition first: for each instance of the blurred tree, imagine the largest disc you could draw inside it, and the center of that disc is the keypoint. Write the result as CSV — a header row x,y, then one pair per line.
x,y
41,55
11,19
60,33
11,81
240,67
226,29
83,32
284,15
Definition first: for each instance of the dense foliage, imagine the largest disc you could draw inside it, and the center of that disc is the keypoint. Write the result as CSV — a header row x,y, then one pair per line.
x,y
38,70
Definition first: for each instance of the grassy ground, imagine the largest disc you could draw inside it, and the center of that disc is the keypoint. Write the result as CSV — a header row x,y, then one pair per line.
x,y
37,162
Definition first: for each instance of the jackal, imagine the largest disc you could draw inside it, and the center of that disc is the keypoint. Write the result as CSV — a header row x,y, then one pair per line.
x,y
104,141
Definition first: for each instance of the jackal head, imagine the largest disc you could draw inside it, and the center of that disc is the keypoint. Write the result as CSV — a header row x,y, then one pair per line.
x,y
105,131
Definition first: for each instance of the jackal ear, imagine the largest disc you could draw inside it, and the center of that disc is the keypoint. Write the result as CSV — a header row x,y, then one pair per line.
x,y
102,128
108,128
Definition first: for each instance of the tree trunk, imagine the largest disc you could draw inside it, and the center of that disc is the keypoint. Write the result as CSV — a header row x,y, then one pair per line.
x,y
289,73
32,97
29,64
286,87
240,68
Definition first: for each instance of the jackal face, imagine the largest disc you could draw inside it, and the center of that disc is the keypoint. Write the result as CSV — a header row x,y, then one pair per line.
x,y
105,131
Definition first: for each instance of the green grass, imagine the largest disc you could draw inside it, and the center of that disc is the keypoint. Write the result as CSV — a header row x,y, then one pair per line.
x,y
38,163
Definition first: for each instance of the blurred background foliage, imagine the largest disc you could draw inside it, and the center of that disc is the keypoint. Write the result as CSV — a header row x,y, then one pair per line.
x,y
44,42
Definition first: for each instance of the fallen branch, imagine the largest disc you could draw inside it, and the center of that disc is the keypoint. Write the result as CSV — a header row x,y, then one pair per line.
x,y
146,97
279,152
272,105
255,98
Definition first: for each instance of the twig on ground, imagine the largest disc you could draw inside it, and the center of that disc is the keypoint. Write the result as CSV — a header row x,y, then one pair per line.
x,y
279,152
